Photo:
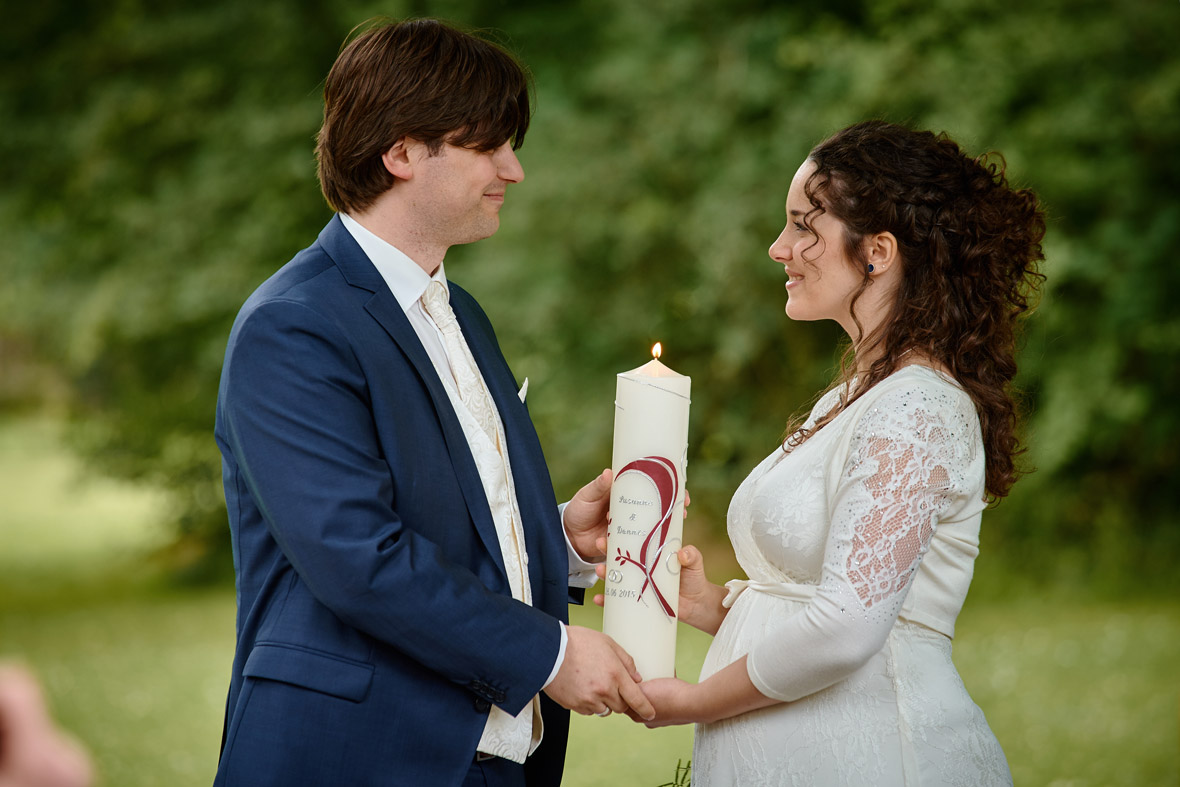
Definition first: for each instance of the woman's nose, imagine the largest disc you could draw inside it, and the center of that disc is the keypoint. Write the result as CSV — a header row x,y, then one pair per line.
x,y
780,250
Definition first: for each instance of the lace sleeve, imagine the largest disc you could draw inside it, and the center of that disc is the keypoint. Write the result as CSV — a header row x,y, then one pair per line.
x,y
905,463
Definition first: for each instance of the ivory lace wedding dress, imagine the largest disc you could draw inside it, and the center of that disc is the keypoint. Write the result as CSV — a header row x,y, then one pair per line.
x,y
859,547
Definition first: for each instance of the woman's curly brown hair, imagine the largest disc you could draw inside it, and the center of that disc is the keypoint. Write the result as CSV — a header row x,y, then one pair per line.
x,y
969,245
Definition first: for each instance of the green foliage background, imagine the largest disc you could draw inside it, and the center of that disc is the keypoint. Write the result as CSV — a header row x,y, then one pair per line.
x,y
157,161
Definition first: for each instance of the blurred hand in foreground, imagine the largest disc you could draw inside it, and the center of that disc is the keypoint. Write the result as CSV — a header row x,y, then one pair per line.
x,y
33,751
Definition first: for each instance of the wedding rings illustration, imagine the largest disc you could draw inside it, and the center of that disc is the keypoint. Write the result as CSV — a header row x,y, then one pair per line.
x,y
672,562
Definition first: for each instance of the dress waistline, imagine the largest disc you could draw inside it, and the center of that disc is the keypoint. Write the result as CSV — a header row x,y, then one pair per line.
x,y
792,590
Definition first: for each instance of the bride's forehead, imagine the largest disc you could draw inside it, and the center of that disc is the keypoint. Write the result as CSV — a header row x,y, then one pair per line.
x,y
797,193
803,173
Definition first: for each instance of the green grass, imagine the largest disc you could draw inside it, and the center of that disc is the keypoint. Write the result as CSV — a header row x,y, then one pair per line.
x,y
1079,693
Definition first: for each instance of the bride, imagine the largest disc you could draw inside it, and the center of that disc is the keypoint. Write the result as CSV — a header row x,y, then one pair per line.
x,y
831,664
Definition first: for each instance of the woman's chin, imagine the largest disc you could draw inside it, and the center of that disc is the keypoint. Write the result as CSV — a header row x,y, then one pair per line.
x,y
796,312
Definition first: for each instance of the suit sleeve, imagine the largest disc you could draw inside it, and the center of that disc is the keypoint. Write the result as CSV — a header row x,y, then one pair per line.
x,y
299,423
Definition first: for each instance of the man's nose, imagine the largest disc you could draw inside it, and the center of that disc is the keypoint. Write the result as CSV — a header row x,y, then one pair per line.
x,y
508,165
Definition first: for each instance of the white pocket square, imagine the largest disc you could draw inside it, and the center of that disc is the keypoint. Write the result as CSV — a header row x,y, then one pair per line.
x,y
524,390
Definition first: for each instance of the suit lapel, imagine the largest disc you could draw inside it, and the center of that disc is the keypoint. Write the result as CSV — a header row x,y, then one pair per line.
x,y
384,308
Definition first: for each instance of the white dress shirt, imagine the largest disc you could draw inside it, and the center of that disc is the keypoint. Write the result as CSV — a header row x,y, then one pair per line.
x,y
408,281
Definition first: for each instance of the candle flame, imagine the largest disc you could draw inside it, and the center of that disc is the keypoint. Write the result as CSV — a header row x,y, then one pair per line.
x,y
657,350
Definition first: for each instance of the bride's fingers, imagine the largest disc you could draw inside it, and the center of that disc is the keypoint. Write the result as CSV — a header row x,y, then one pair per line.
x,y
690,557
599,599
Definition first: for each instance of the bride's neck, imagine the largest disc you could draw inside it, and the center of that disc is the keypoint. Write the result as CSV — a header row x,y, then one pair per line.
x,y
866,355
910,357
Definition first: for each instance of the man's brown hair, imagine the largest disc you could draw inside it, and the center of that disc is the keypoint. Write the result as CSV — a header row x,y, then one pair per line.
x,y
420,79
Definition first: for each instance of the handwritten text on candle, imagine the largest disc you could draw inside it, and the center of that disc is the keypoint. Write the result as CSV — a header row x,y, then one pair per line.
x,y
661,474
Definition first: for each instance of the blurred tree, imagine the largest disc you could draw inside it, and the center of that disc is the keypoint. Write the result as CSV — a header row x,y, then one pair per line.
x,y
163,155
162,167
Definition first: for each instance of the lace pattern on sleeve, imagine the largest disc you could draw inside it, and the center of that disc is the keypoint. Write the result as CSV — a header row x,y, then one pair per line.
x,y
901,474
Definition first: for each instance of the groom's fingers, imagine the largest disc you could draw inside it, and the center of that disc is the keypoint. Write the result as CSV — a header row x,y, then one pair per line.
x,y
637,701
602,486
604,480
630,692
628,662
598,488
596,672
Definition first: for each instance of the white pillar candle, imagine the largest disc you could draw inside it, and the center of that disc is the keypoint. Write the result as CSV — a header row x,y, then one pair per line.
x,y
647,515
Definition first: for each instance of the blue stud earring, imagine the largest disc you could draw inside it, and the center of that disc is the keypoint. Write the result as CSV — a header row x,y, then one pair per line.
x,y
870,267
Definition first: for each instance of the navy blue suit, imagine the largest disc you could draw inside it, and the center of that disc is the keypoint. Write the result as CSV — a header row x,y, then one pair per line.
x,y
375,621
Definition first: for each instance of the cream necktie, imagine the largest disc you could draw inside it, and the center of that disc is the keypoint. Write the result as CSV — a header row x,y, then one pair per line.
x,y
506,736
436,299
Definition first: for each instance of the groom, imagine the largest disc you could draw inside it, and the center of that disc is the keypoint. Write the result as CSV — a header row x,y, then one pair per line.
x,y
402,567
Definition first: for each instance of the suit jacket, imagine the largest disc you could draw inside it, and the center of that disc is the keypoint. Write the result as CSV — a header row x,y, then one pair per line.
x,y
375,623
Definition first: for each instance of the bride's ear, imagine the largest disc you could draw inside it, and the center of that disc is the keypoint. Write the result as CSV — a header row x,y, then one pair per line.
x,y
881,252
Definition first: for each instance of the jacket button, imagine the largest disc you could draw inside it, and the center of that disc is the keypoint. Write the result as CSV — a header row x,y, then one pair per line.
x,y
482,705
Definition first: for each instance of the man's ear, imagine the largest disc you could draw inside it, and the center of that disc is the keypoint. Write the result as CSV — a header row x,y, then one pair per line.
x,y
881,252
397,160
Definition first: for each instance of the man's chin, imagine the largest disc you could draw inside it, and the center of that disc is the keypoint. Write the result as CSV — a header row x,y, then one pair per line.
x,y
487,228
478,235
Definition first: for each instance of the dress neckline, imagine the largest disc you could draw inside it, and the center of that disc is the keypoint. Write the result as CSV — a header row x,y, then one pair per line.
x,y
929,371
944,376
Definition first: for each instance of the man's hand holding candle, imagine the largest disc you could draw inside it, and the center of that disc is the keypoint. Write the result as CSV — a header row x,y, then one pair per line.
x,y
587,516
